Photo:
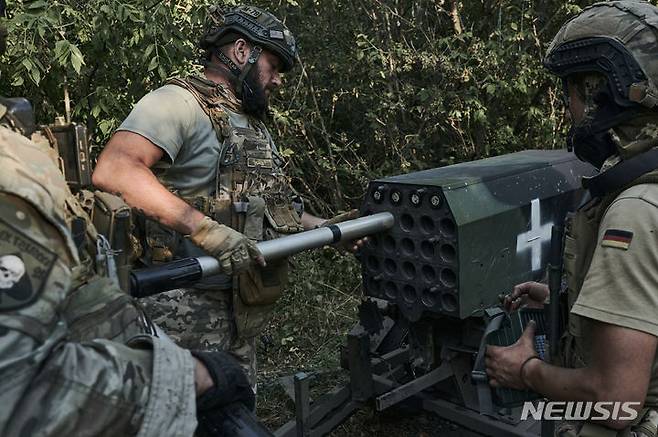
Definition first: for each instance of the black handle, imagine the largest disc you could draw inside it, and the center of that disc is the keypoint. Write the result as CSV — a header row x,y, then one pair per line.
x,y
175,274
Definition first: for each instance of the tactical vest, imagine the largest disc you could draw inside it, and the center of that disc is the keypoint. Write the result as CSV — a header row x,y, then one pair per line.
x,y
252,195
97,307
580,242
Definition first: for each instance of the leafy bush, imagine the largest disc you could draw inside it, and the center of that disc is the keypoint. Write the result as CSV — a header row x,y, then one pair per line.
x,y
103,54
384,87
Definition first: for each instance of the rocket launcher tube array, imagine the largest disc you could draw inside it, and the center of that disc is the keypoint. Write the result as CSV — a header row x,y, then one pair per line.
x,y
146,282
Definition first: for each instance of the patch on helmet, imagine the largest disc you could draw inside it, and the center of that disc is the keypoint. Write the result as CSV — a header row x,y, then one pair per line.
x,y
216,15
276,34
251,11
24,268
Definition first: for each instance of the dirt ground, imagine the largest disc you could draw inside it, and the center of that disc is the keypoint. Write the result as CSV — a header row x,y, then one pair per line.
x,y
276,408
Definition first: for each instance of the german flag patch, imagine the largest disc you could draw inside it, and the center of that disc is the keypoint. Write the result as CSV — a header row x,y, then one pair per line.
x,y
617,238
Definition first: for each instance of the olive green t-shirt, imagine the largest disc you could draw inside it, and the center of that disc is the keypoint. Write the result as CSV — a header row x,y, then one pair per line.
x,y
172,119
621,285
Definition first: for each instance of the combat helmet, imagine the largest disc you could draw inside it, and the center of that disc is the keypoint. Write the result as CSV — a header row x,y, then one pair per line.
x,y
259,27
618,41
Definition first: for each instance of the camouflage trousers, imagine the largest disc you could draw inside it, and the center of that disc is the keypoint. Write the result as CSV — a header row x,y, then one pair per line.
x,y
202,320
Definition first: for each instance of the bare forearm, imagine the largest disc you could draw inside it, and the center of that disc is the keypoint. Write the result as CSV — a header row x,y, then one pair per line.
x,y
559,383
141,189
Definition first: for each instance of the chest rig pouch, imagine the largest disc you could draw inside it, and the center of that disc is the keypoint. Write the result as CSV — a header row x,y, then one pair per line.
x,y
252,195
579,243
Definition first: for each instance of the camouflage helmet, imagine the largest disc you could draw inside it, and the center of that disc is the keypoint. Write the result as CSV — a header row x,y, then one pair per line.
x,y
608,52
258,26
618,39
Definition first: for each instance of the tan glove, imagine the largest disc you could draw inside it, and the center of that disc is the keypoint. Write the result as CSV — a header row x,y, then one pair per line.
x,y
234,251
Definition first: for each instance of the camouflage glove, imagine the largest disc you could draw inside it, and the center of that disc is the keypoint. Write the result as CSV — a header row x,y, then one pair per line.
x,y
234,250
231,384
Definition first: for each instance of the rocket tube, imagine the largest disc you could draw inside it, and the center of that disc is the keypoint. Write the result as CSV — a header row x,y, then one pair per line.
x,y
146,282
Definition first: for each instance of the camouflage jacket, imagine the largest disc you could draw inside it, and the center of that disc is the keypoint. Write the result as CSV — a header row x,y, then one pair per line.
x,y
50,384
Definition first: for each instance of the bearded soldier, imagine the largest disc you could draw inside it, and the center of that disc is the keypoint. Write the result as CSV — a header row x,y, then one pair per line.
x,y
607,57
196,158
60,374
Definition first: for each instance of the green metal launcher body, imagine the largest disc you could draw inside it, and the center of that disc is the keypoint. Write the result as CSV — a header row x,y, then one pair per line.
x,y
468,232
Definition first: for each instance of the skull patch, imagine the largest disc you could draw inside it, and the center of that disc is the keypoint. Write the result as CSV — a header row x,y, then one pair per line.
x,y
12,270
25,267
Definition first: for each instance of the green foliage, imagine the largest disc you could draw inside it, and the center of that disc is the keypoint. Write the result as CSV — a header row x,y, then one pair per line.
x,y
104,54
318,306
384,86
308,329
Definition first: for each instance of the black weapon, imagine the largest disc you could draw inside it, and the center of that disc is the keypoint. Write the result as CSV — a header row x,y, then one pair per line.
x,y
555,263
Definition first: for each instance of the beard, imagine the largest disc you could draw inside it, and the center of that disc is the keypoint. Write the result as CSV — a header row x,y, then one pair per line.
x,y
254,98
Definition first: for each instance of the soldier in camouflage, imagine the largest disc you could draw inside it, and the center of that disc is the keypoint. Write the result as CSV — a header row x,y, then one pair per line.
x,y
607,57
196,158
76,357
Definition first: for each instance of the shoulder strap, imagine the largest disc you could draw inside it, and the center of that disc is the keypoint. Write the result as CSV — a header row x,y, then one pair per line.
x,y
633,171
212,98
608,199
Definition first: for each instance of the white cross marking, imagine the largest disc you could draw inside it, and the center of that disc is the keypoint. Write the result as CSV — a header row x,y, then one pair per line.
x,y
535,237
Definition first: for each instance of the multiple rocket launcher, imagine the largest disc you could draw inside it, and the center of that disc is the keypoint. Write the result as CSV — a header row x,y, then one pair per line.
x,y
466,233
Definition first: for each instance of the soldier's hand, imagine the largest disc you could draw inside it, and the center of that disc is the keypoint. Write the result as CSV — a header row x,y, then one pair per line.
x,y
504,365
530,294
354,245
230,384
351,246
234,250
